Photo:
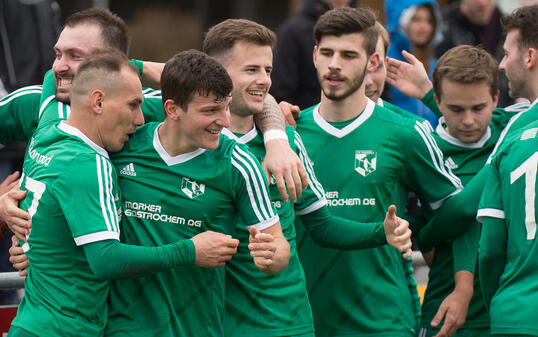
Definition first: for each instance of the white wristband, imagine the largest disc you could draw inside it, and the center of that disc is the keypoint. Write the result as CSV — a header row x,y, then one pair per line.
x,y
274,134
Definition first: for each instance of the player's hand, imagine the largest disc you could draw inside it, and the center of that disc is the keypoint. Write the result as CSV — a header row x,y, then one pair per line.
x,y
214,249
397,232
453,310
410,78
290,113
281,161
262,247
18,259
16,219
10,182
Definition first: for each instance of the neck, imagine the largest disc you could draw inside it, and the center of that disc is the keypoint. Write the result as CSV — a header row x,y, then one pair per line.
x,y
173,140
241,124
344,110
88,127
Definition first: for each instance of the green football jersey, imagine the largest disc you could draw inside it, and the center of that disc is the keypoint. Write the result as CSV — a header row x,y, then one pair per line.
x,y
510,196
258,304
166,199
360,163
51,111
465,160
72,199
18,113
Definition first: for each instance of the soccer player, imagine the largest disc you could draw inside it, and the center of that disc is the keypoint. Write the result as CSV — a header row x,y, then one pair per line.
x,y
73,247
97,28
276,305
362,154
508,261
179,178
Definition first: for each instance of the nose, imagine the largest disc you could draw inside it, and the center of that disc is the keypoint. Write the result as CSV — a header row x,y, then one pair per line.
x,y
60,64
468,119
502,65
139,118
335,62
223,119
263,78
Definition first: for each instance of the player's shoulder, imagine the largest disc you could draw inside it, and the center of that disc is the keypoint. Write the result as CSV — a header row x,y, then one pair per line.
x,y
306,115
32,92
397,121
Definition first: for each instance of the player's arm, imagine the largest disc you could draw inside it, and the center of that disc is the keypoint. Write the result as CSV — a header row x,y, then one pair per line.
x,y
280,160
492,256
19,114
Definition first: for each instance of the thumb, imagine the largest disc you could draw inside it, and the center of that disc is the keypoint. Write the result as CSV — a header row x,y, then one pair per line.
x,y
409,57
253,231
18,194
391,212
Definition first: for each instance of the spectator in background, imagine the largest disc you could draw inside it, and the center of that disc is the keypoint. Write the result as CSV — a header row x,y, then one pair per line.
x,y
475,22
294,76
413,26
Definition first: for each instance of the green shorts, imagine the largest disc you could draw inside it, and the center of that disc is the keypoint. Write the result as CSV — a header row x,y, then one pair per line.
x,y
477,332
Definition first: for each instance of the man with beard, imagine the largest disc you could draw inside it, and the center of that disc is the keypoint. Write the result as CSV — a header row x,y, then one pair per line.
x,y
362,155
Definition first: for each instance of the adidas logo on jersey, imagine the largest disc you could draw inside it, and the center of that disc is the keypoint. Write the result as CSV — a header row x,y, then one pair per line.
x,y
128,170
529,134
191,188
451,164
365,162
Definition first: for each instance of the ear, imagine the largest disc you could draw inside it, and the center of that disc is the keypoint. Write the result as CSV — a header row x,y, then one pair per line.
x,y
531,57
172,110
97,101
437,100
315,54
374,61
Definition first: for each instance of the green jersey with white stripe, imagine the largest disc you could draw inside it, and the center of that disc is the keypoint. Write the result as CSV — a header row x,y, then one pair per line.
x,y
360,163
166,199
72,199
18,113
508,242
258,304
465,160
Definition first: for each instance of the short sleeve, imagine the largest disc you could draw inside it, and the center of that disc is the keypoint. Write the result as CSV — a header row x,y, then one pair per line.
x,y
152,107
429,177
313,197
88,194
19,114
251,190
491,204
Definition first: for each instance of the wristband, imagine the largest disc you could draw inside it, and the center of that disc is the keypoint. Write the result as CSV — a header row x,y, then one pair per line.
x,y
274,134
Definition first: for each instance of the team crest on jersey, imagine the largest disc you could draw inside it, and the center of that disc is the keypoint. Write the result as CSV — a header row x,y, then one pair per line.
x,y
365,161
191,188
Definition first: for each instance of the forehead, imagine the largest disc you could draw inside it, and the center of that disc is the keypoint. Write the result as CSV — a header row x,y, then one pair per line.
x,y
129,84
85,36
348,42
464,93
247,53
512,39
199,101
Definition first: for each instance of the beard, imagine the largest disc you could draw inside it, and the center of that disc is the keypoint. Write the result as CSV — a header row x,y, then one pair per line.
x,y
240,107
353,85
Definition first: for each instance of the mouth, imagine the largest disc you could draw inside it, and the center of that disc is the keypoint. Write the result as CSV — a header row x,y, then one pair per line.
x,y
257,94
214,132
334,80
370,94
63,83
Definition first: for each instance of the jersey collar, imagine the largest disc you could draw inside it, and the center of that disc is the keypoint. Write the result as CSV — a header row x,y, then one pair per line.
x,y
339,133
77,133
169,160
244,139
455,141
380,102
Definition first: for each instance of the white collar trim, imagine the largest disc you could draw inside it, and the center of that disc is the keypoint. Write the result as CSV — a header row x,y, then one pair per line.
x,y
77,133
380,102
169,160
339,133
455,141
244,139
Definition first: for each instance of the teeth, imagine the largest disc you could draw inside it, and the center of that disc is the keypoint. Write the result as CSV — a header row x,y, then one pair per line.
x,y
65,81
256,92
214,132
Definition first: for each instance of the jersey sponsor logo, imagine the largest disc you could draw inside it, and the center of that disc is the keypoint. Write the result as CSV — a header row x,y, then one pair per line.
x,y
38,157
529,134
142,210
365,162
451,164
191,188
334,200
128,170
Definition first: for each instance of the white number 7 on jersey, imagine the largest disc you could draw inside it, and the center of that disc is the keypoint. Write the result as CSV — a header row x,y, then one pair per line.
x,y
528,168
37,188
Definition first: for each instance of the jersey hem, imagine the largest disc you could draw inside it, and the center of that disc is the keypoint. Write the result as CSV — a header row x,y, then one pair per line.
x,y
97,236
489,212
313,207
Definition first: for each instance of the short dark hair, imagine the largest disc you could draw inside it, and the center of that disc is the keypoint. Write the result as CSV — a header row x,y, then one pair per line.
x,y
100,68
113,28
222,37
526,20
191,72
466,65
384,35
347,20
